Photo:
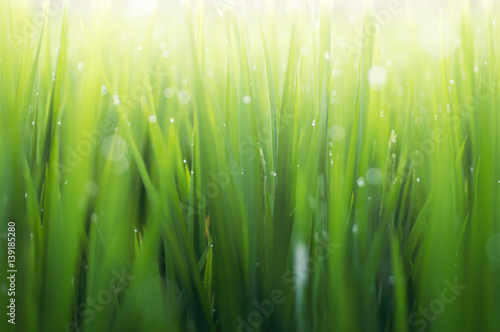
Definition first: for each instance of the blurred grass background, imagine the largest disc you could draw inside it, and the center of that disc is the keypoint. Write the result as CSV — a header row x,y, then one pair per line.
x,y
240,166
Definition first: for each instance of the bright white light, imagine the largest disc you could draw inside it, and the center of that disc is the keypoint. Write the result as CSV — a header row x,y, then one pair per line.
x,y
429,37
377,77
141,8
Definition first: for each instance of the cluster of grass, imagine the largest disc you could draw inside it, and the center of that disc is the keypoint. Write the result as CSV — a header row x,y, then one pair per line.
x,y
276,171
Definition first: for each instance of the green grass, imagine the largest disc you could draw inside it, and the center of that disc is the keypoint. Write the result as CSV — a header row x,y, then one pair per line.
x,y
168,177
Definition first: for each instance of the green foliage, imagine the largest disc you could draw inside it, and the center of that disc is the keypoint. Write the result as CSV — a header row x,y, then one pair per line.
x,y
271,172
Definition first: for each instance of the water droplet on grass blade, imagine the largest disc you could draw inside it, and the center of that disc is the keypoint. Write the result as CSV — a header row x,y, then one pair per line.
x,y
336,133
301,267
114,147
116,99
391,280
168,93
374,176
361,182
493,248
152,118
184,97
92,188
247,99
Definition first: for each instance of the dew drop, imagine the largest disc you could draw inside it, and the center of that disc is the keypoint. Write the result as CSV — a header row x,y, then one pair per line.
x,y
247,99
116,99
168,93
361,182
391,280
184,97
374,176
336,133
